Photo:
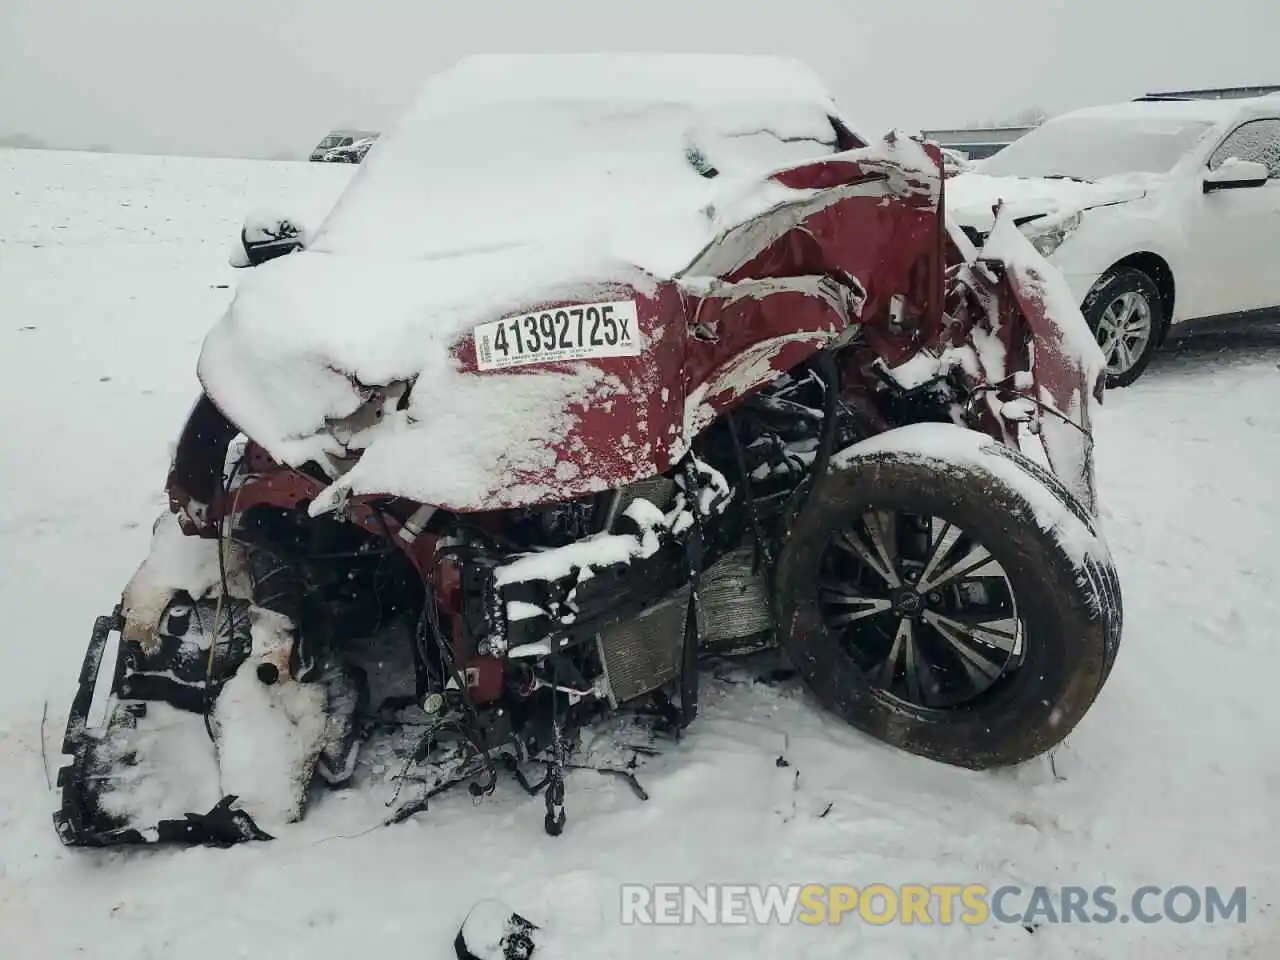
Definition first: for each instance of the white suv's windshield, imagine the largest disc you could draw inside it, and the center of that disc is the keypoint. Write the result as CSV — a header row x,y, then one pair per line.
x,y
1089,148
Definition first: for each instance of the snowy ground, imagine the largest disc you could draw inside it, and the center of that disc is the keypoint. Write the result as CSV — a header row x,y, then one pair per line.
x,y
112,268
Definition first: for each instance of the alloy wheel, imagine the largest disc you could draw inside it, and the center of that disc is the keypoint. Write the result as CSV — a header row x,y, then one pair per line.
x,y
922,607
1124,330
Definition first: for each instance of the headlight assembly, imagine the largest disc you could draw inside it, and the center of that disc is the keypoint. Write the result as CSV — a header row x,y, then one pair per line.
x,y
1049,237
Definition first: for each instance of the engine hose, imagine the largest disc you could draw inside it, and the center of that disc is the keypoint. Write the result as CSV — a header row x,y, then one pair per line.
x,y
826,439
760,549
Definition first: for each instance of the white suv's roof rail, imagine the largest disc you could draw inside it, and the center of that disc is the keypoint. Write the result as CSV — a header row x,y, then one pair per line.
x,y
1214,93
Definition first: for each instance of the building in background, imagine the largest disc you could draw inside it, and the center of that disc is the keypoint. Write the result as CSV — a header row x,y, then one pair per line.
x,y
976,143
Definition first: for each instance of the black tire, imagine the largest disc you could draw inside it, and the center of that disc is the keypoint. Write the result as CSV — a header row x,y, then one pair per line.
x,y
1070,609
1112,285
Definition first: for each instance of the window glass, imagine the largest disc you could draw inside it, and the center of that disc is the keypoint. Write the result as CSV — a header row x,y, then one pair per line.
x,y
1256,140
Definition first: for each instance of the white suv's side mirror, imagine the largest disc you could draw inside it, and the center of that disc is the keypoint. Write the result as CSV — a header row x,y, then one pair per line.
x,y
1234,174
264,238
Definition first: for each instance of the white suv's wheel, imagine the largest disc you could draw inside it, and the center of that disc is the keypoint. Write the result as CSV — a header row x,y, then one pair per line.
x,y
1126,314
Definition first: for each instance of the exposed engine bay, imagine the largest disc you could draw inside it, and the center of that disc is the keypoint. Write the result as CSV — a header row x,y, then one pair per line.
x,y
550,614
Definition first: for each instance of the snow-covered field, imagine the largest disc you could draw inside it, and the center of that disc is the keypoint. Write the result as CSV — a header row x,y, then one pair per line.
x,y
111,270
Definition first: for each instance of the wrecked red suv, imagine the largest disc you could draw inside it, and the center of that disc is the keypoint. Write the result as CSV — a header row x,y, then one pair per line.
x,y
602,366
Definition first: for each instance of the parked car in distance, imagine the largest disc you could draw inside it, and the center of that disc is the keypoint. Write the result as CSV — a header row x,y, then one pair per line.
x,y
1156,212
344,146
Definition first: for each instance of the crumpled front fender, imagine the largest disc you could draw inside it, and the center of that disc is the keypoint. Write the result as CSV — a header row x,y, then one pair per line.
x,y
1067,366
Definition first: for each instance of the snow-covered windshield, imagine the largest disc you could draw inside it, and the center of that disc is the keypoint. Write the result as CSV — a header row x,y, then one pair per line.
x,y
509,151
1089,148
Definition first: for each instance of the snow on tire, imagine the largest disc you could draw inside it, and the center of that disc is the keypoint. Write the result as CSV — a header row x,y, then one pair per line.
x,y
945,594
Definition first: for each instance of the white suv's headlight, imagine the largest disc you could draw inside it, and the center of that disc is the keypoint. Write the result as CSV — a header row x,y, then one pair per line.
x,y
1049,237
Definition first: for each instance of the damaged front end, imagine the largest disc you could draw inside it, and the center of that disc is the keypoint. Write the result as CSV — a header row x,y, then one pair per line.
x,y
1010,358
197,692
258,647
326,597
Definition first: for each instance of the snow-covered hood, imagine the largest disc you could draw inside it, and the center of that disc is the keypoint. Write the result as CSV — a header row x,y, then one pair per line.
x,y
972,197
514,184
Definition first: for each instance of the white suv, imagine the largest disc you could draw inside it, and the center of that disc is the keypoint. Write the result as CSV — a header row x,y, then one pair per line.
x,y
1156,212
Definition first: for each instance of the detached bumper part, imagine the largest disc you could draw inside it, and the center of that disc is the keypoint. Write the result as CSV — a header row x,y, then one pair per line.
x,y
80,819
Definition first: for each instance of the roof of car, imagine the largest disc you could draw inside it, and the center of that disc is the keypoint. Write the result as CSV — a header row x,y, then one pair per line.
x,y
1208,111
629,77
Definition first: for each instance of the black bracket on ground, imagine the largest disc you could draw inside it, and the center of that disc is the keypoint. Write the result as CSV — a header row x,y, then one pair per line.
x,y
73,818
79,823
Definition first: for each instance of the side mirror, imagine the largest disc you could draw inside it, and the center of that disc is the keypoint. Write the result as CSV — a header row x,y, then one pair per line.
x,y
265,238
1235,174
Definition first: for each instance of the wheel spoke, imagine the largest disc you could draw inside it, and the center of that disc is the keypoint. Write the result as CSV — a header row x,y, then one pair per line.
x,y
970,657
845,595
1129,303
978,556
912,665
944,536
884,537
850,540
1109,320
1000,632
844,619
1109,348
1126,358
903,638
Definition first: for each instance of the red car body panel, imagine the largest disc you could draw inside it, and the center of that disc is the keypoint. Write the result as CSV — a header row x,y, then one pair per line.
x,y
865,246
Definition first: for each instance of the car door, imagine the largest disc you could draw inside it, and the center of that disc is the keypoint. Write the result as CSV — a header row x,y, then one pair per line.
x,y
1235,234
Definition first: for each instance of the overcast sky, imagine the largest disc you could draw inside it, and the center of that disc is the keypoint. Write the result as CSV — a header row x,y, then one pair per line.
x,y
266,77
